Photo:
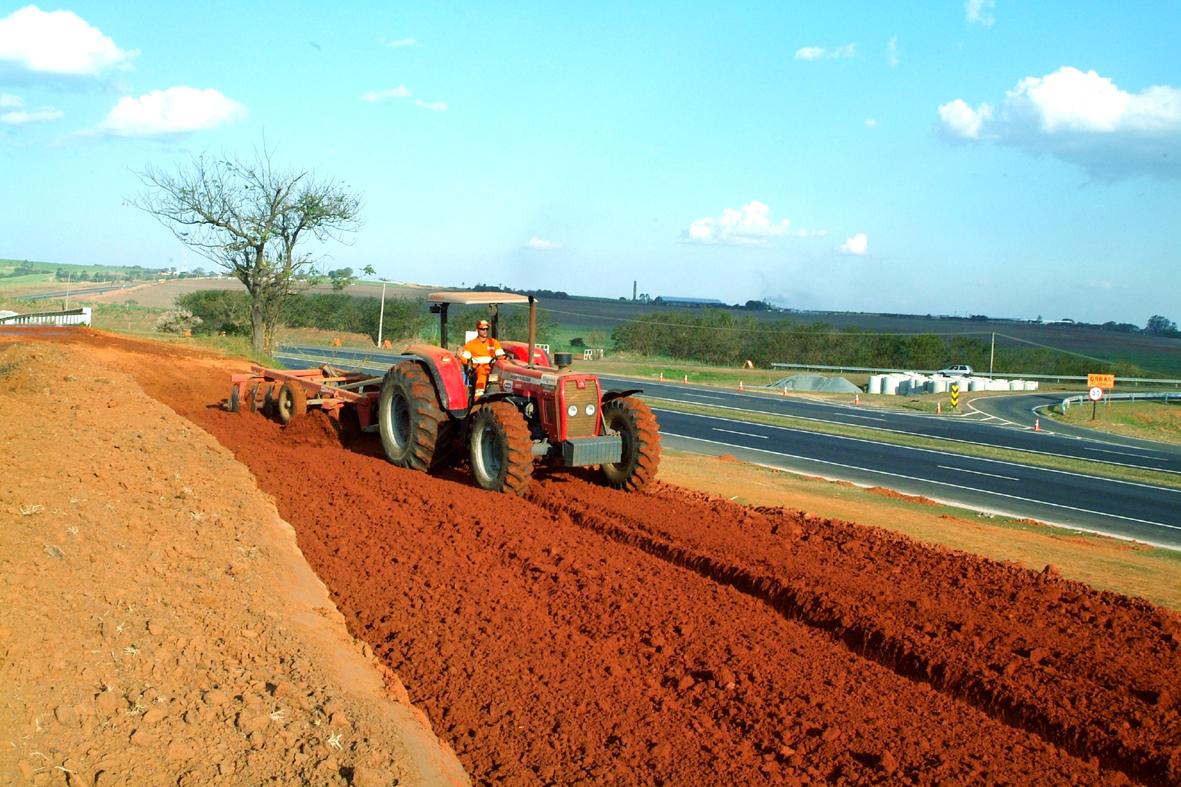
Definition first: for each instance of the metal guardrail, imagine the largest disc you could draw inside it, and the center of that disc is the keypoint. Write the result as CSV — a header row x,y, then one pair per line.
x,y
1055,377
68,317
1084,398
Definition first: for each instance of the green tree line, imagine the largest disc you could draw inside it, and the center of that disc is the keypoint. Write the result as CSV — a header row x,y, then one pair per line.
x,y
722,339
228,312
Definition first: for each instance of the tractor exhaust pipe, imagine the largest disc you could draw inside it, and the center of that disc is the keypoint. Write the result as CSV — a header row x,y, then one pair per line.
x,y
532,328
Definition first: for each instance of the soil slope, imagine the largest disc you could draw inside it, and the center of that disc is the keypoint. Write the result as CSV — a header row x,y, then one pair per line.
x,y
586,635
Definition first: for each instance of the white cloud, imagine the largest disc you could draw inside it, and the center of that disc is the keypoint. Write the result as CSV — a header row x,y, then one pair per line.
x,y
59,43
403,42
979,12
1083,118
858,244
17,115
373,96
963,121
434,106
9,101
177,110
540,244
892,52
750,225
871,123
820,53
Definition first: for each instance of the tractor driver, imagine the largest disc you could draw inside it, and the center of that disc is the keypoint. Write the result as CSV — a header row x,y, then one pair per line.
x,y
479,353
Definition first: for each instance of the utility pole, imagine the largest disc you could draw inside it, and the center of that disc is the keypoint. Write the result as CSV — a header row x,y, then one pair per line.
x,y
992,354
381,316
69,276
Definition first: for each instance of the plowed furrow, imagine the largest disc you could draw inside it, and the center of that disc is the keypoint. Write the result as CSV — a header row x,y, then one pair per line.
x,y
1071,707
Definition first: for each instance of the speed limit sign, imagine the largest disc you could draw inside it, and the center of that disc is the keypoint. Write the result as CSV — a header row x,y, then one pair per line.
x,y
1096,393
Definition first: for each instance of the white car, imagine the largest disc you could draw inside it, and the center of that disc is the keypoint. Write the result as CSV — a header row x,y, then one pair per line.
x,y
959,370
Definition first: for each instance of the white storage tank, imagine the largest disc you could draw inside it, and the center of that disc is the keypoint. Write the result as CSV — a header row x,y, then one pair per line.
x,y
875,383
939,385
1016,385
976,384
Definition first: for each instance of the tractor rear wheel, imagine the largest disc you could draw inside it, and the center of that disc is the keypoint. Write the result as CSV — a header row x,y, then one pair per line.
x,y
501,449
636,425
292,402
415,431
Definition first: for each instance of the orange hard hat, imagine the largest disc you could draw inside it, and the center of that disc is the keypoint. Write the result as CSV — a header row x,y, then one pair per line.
x,y
482,324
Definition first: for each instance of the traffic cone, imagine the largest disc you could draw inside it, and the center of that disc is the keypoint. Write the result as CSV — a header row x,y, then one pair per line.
x,y
662,377
740,386
785,390
1037,424
938,408
856,398
685,379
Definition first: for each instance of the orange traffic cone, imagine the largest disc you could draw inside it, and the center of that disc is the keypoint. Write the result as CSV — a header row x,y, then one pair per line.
x,y
662,377
740,386
685,379
856,398
938,408
785,390
1037,424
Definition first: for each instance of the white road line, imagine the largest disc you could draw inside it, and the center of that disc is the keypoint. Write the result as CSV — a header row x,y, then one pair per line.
x,y
976,472
937,483
744,434
865,417
1126,453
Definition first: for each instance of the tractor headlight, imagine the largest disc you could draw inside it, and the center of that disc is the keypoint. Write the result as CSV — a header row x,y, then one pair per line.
x,y
572,410
590,409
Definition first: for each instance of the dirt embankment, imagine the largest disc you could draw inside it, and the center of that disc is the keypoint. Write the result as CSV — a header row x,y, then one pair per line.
x,y
586,635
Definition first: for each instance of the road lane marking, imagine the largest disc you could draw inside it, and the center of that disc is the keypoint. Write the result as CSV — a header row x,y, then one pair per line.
x,y
865,417
1126,453
976,472
744,434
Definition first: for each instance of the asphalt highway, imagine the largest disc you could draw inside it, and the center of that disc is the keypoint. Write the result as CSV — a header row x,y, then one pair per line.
x,y
1085,502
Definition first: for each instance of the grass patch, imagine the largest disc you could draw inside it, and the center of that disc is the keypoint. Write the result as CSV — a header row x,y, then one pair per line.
x,y
1148,420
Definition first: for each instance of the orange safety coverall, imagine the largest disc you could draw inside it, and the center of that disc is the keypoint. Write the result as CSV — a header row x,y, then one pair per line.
x,y
480,353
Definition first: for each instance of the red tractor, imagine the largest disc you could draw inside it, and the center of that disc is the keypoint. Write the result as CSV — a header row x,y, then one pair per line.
x,y
531,409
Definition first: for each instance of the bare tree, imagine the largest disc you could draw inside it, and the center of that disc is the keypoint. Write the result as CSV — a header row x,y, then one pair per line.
x,y
251,218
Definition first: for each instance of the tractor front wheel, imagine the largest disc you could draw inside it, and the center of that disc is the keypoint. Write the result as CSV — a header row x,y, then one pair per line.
x,y
636,425
501,448
415,431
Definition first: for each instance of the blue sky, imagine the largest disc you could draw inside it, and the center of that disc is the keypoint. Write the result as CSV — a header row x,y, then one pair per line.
x,y
1000,158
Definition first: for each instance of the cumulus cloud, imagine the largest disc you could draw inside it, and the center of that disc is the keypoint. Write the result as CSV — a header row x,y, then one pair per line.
x,y
177,110
871,123
13,112
892,52
403,42
750,225
1083,118
979,12
58,43
373,96
820,53
540,244
434,106
858,245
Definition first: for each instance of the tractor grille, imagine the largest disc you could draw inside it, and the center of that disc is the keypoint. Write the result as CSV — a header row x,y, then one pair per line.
x,y
581,425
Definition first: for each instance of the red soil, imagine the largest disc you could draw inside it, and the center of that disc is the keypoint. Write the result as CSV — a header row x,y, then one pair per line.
x,y
587,635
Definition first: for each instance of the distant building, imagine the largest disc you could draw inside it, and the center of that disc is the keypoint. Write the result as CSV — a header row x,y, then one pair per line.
x,y
671,300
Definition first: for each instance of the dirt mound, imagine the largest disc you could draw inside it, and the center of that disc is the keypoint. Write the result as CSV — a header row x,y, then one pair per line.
x,y
157,622
584,635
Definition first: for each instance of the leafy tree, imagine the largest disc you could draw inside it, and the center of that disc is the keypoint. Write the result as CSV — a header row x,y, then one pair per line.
x,y
251,218
1159,325
341,278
